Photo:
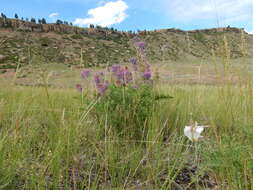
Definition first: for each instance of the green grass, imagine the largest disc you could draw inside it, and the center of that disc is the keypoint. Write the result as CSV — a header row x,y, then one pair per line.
x,y
54,142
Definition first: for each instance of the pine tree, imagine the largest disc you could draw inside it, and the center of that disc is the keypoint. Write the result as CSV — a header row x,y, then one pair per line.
x,y
59,22
16,16
33,20
3,16
43,21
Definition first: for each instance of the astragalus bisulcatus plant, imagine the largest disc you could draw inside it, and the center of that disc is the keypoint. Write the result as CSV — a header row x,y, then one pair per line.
x,y
125,94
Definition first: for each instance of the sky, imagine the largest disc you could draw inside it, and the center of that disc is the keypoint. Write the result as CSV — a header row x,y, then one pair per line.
x,y
138,14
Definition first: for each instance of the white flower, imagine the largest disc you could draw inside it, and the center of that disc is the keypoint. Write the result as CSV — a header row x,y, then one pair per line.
x,y
193,132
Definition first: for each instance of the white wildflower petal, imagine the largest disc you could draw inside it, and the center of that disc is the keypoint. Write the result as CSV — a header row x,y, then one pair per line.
x,y
187,130
199,129
194,132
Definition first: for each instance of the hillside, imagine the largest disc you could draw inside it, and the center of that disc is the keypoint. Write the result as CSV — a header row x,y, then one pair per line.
x,y
29,43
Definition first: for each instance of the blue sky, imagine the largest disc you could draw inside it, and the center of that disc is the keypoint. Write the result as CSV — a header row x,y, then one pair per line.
x,y
138,14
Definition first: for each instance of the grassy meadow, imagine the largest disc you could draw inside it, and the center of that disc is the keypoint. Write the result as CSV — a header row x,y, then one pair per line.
x,y
54,137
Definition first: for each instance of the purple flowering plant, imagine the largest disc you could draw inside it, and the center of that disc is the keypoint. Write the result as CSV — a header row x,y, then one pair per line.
x,y
85,74
122,76
125,94
100,83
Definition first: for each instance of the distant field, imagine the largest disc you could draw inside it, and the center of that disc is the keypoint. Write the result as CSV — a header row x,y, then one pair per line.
x,y
192,71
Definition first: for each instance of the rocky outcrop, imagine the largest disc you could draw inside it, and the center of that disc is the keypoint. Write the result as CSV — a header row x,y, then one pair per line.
x,y
33,27
211,30
223,29
21,25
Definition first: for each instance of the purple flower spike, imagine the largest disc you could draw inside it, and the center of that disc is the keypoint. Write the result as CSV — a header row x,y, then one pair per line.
x,y
133,61
120,75
101,84
85,74
101,88
128,77
123,76
147,74
97,79
140,45
115,68
79,87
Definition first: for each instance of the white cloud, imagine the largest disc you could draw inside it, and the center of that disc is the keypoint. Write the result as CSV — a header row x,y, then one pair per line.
x,y
226,11
53,15
110,13
249,32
